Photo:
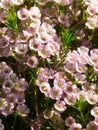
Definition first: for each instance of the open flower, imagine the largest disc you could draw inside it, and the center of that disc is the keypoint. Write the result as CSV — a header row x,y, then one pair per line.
x,y
17,2
34,44
94,111
32,61
92,126
22,110
55,93
75,126
45,88
34,13
23,14
91,97
7,86
21,48
60,106
69,121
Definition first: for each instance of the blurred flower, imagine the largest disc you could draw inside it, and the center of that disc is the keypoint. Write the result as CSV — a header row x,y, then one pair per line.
x,y
92,126
94,111
75,126
1,125
35,126
3,103
92,22
96,120
6,4
17,2
48,114
69,121
22,110
7,86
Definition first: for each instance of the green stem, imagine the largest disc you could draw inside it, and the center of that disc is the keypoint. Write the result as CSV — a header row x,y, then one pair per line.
x,y
13,127
82,116
36,105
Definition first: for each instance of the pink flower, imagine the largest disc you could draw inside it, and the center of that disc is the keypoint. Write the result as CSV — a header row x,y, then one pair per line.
x,y
44,37
60,83
70,88
35,25
34,13
83,50
70,67
96,66
8,109
7,71
92,126
20,98
92,8
91,97
10,37
92,22
34,44
48,114
32,61
75,126
28,31
43,52
17,2
35,126
45,88
6,4
3,16
23,14
21,48
94,112
72,56
3,43
81,95
94,53
87,44
11,98
41,79
80,78
55,93
53,47
96,120
80,68
60,106
64,19
7,86
69,121
83,59
22,110
70,99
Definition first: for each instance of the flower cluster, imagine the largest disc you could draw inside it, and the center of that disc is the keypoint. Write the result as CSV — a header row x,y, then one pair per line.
x,y
49,64
12,88
92,11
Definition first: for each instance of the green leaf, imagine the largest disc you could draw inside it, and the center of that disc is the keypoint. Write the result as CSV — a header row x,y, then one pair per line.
x,y
12,21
